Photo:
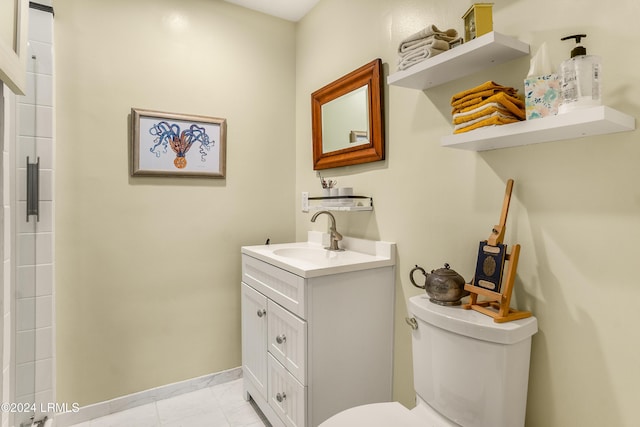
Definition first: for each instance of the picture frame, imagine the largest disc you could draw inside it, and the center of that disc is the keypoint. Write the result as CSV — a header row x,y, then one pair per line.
x,y
177,145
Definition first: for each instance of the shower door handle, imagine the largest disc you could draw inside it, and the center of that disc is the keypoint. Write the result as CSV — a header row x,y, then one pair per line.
x,y
33,189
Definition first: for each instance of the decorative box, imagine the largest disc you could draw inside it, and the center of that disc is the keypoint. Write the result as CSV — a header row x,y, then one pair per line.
x,y
478,20
541,96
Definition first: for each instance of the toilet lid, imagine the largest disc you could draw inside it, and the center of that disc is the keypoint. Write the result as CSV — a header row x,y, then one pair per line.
x,y
374,415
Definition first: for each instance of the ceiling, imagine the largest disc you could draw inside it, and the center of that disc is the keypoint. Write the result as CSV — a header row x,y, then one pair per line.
x,y
291,10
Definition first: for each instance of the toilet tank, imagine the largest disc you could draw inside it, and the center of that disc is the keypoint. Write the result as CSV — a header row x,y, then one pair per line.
x,y
469,368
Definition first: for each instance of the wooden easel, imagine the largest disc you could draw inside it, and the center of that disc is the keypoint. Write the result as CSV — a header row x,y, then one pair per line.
x,y
497,304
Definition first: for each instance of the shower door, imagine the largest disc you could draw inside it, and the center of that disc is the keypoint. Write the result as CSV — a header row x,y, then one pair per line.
x,y
26,293
25,310
33,224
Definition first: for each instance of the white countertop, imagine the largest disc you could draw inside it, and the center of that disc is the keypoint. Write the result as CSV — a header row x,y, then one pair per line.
x,y
310,259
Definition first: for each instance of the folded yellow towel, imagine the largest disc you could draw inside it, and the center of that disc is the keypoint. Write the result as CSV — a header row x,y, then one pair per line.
x,y
480,88
511,103
477,96
488,104
489,121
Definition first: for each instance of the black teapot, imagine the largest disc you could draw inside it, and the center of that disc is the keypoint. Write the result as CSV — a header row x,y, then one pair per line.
x,y
444,286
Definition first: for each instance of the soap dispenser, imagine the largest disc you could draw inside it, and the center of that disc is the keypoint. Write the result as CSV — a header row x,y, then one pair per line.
x,y
580,78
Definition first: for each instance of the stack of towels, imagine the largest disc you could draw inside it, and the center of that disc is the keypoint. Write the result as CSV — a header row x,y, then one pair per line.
x,y
489,104
424,44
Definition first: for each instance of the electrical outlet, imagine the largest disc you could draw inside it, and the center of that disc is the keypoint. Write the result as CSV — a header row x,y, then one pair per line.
x,y
305,201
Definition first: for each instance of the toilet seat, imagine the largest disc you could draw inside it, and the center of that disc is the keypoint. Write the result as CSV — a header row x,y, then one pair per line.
x,y
375,415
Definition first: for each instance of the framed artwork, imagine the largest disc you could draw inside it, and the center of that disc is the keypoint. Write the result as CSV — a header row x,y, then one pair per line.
x,y
168,144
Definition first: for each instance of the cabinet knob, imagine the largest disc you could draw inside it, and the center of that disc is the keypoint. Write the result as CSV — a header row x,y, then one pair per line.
x,y
262,312
281,338
281,396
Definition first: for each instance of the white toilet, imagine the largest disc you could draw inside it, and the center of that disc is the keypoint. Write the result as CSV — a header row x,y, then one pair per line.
x,y
467,370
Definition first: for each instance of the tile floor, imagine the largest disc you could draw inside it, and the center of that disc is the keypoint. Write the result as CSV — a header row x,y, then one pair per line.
x,y
218,406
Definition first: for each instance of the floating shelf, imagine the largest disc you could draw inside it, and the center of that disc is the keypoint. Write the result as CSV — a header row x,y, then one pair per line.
x,y
488,51
584,122
471,57
342,203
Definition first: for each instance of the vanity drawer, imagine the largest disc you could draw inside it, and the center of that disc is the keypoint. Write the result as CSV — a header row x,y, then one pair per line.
x,y
287,340
283,287
287,397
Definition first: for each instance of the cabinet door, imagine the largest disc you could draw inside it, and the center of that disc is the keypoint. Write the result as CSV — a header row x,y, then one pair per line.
x,y
254,338
288,340
287,396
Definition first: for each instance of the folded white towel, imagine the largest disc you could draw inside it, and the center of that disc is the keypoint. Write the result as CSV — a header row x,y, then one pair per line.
x,y
479,119
432,41
448,36
477,109
417,55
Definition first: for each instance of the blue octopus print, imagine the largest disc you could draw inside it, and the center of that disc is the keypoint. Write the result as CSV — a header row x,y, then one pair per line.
x,y
169,135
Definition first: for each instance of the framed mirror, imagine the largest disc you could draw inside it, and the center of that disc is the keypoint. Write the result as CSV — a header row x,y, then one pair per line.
x,y
347,119
13,44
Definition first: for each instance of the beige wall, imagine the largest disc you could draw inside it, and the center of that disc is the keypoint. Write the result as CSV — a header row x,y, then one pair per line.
x,y
576,206
148,269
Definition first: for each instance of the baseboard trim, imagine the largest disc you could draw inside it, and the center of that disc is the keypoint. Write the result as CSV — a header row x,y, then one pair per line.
x,y
100,409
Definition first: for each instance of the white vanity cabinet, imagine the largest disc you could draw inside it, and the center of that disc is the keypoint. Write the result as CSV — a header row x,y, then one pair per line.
x,y
314,346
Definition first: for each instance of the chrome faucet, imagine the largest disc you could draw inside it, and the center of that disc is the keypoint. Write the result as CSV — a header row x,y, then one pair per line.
x,y
335,237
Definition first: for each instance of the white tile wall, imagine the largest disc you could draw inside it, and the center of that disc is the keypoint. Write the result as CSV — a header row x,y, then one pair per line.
x,y
44,278
44,338
25,381
26,147
7,230
5,197
25,346
35,120
25,282
34,285
44,313
38,89
40,27
25,314
44,54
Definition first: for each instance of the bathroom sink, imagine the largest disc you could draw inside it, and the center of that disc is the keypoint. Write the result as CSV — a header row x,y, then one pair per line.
x,y
311,259
313,254
305,253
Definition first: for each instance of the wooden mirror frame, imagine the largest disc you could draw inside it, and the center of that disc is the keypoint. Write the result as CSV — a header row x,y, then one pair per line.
x,y
369,75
